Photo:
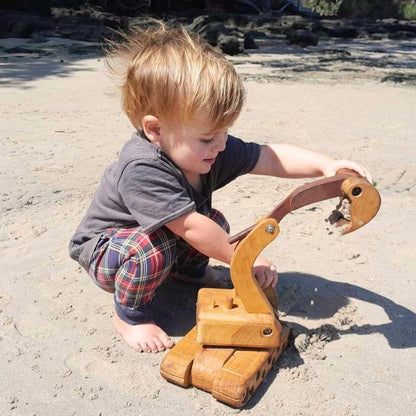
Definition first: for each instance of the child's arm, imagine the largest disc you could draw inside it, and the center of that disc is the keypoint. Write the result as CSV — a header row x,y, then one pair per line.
x,y
210,239
288,161
204,235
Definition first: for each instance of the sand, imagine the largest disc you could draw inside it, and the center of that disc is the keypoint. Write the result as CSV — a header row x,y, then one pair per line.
x,y
351,300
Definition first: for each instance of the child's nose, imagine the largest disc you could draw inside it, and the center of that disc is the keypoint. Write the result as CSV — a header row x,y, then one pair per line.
x,y
221,141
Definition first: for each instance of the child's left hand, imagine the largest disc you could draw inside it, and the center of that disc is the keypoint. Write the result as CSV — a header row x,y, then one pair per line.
x,y
265,273
334,166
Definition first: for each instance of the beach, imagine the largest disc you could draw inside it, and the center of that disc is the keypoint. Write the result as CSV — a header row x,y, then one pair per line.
x,y
350,300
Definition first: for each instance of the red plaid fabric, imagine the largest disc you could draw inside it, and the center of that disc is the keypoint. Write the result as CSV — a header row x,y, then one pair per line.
x,y
132,264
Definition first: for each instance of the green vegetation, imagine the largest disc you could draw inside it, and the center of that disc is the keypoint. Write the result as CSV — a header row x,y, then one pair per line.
x,y
324,7
403,9
409,11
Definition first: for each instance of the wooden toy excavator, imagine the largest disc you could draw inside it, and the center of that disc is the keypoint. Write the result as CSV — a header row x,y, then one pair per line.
x,y
238,336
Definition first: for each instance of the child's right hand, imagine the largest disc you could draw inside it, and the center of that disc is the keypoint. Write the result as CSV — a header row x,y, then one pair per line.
x,y
265,273
333,166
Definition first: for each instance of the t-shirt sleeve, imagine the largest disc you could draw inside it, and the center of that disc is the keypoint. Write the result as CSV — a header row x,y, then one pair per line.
x,y
153,194
237,159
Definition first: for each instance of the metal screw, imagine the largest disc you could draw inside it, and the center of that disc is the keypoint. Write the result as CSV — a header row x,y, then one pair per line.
x,y
267,331
270,229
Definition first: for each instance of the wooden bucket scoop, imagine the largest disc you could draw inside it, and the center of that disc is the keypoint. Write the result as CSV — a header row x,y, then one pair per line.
x,y
238,336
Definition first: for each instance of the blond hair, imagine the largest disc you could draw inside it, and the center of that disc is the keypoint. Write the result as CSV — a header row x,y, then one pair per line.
x,y
175,76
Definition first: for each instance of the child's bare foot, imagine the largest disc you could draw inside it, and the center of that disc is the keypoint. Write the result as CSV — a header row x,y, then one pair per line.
x,y
145,337
214,277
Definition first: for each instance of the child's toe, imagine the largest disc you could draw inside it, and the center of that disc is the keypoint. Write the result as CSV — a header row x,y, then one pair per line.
x,y
166,340
152,346
145,347
159,345
137,347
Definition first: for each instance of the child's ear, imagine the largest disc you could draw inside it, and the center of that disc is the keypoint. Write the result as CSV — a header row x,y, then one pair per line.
x,y
151,128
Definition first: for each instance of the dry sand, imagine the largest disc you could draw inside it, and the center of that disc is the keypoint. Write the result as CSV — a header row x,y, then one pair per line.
x,y
351,299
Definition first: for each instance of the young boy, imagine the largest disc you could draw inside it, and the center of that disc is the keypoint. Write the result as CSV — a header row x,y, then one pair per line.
x,y
152,216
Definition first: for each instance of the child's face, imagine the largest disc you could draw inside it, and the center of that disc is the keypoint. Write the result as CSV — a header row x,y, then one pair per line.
x,y
192,147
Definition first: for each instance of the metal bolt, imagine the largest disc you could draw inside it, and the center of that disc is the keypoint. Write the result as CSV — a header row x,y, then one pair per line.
x,y
267,331
356,191
270,229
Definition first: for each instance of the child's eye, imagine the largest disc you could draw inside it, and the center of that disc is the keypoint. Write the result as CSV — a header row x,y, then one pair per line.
x,y
207,141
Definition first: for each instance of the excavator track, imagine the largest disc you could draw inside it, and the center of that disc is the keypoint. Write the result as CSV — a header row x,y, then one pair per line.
x,y
231,375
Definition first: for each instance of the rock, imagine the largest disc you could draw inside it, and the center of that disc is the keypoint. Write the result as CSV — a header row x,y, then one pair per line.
x,y
389,21
5,25
212,31
21,29
400,79
402,34
37,38
22,50
303,38
238,21
84,50
230,45
201,21
249,42
302,342
299,22
88,34
66,25
378,36
397,27
346,32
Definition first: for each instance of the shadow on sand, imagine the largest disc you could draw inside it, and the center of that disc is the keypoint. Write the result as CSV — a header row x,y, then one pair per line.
x,y
176,313
176,306
393,60
20,65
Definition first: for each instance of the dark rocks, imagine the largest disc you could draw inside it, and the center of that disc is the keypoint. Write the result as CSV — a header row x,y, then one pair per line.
x,y
229,44
303,38
201,21
392,25
400,78
83,50
16,25
346,32
231,32
401,35
21,29
92,29
36,37
249,42
298,22
212,31
216,34
18,50
209,27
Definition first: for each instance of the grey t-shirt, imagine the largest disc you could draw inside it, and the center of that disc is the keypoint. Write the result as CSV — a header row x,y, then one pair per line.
x,y
145,188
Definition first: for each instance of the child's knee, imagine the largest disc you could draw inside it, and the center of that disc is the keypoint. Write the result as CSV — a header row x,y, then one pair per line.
x,y
150,255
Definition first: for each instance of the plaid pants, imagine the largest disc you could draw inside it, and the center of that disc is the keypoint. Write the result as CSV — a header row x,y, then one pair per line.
x,y
133,264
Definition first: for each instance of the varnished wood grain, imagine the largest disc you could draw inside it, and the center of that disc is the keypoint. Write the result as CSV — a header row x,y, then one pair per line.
x,y
249,320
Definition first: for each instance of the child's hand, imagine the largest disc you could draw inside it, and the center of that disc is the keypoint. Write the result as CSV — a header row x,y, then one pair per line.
x,y
265,273
334,166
